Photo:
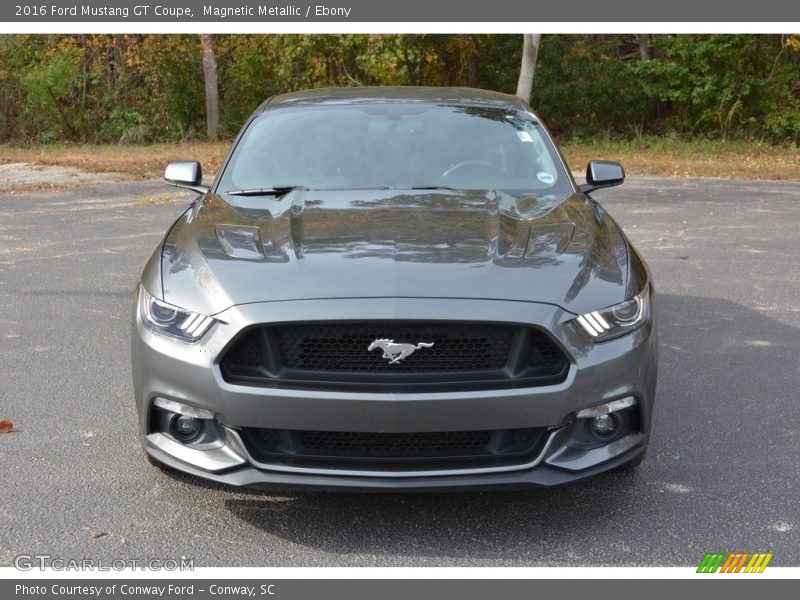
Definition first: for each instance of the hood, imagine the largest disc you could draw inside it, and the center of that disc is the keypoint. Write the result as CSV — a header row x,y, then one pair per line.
x,y
416,244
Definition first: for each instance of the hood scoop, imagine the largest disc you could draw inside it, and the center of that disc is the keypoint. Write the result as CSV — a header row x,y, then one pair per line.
x,y
549,239
240,241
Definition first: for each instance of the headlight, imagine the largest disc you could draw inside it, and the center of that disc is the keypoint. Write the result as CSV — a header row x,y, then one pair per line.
x,y
617,320
170,320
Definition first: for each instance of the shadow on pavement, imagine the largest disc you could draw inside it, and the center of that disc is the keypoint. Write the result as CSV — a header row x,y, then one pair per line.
x,y
720,364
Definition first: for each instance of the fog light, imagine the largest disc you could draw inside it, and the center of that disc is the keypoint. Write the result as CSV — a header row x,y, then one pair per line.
x,y
605,426
184,428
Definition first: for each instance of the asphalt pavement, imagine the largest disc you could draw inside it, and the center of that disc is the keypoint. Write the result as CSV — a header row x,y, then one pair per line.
x,y
722,473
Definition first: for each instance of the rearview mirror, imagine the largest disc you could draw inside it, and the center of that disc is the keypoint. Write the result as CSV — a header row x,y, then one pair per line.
x,y
185,174
602,174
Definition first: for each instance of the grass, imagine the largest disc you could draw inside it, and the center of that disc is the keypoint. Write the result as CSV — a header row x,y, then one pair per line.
x,y
657,156
673,157
139,162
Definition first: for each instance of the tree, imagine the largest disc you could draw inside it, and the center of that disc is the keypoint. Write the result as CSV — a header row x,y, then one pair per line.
x,y
645,49
212,86
530,51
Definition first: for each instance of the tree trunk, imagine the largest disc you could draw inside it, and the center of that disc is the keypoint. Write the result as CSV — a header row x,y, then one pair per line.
x,y
212,87
472,62
530,51
645,51
472,73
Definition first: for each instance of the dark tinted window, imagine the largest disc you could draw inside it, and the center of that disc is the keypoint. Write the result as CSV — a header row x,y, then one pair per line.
x,y
397,146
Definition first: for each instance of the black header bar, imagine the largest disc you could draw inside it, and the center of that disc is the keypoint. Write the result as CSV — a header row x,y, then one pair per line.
x,y
403,11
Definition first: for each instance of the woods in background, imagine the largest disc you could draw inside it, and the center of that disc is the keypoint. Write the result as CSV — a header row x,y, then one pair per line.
x,y
145,88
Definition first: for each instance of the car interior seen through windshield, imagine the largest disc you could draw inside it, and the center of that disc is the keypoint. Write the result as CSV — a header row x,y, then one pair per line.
x,y
395,146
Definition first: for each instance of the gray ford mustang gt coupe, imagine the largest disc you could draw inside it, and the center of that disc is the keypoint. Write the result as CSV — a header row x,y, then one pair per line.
x,y
394,289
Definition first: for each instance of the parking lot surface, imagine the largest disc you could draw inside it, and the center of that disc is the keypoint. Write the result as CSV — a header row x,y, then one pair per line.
x,y
722,473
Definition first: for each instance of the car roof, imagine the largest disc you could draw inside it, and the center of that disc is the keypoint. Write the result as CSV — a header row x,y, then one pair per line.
x,y
451,96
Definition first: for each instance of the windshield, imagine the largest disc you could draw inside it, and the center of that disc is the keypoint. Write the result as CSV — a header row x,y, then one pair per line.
x,y
396,146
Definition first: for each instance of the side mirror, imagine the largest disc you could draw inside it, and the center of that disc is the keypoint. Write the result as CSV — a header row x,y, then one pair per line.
x,y
185,174
602,174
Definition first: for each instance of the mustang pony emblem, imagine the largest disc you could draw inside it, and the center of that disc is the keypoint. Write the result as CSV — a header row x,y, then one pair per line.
x,y
395,351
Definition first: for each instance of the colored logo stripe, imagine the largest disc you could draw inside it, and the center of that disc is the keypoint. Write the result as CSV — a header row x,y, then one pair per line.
x,y
711,563
758,563
735,562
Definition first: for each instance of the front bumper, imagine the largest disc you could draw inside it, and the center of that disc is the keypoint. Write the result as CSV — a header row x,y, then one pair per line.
x,y
598,373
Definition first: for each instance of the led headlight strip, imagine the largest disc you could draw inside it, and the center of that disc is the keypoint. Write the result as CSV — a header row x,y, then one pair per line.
x,y
172,321
617,320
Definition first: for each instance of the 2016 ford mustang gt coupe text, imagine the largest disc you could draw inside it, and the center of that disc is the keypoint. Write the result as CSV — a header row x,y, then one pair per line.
x,y
394,289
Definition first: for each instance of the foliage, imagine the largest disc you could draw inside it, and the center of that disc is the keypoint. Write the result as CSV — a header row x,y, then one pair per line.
x,y
149,88
53,88
726,85
585,85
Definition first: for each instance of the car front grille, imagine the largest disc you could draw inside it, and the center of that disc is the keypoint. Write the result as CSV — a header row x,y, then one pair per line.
x,y
370,450
395,443
336,355
343,348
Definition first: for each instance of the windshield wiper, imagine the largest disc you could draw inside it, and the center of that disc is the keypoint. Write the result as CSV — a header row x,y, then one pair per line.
x,y
277,191
433,187
355,188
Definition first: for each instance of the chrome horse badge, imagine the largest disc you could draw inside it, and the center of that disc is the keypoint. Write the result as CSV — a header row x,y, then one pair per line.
x,y
394,352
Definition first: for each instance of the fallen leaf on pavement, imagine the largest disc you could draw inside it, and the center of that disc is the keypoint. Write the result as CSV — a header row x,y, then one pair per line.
x,y
97,533
6,426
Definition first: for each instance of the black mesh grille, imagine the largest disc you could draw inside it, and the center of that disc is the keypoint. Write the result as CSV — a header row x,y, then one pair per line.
x,y
392,443
404,355
333,347
246,352
415,450
544,354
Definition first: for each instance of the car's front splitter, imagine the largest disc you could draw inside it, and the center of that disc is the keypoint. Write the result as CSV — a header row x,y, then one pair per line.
x,y
559,462
541,476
